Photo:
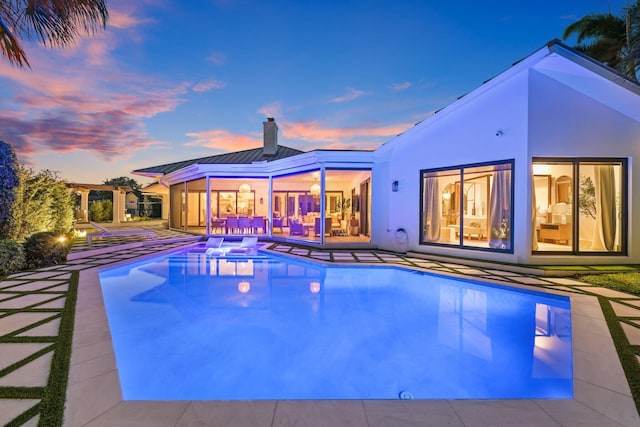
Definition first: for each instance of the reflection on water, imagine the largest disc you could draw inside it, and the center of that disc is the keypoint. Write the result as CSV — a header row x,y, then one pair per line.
x,y
196,327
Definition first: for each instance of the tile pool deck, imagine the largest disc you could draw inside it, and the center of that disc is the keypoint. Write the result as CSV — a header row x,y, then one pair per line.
x,y
31,304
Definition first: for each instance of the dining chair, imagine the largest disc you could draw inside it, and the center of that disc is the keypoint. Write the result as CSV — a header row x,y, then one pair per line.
x,y
259,222
244,224
232,224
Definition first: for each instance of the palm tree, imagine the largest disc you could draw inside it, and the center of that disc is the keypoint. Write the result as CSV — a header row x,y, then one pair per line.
x,y
610,39
53,22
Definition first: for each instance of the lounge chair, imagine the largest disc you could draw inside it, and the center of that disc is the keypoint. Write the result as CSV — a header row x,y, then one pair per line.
x,y
247,244
121,232
214,242
214,246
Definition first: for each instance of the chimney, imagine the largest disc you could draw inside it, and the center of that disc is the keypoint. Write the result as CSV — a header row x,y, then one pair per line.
x,y
270,137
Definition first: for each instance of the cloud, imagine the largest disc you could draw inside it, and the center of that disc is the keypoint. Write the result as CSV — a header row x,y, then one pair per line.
x,y
320,135
81,99
208,85
217,58
223,140
349,96
273,109
397,87
121,20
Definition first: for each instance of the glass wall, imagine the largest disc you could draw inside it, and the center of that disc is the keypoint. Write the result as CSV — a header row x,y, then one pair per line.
x,y
177,203
348,205
238,205
578,205
297,204
468,206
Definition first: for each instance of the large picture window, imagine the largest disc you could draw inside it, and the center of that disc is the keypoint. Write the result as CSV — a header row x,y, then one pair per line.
x,y
468,206
578,206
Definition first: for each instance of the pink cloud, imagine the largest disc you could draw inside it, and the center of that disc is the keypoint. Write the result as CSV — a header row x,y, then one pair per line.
x,y
349,96
121,20
81,99
273,109
208,85
223,140
366,136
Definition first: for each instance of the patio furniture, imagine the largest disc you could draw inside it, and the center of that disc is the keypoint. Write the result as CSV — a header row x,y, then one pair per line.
x,y
327,226
218,224
247,244
296,228
259,222
244,224
123,232
277,222
214,242
232,223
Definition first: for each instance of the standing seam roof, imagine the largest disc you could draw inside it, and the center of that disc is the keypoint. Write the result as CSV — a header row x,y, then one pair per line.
x,y
236,157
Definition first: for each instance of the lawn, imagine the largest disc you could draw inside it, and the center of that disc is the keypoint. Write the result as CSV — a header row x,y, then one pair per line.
x,y
623,282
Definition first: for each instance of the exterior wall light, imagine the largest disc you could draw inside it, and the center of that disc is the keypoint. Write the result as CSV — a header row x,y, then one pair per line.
x,y
394,186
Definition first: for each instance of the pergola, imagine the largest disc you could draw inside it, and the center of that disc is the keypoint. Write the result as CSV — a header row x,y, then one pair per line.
x,y
119,194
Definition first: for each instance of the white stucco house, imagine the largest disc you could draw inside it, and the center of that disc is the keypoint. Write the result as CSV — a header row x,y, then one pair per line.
x,y
533,167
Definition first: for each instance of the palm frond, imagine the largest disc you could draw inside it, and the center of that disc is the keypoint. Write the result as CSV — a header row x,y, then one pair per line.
x,y
596,25
59,22
10,47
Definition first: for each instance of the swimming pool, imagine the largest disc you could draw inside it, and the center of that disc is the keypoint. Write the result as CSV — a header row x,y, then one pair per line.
x,y
190,327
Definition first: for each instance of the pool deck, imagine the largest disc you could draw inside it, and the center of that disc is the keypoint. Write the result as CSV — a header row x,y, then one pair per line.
x,y
32,303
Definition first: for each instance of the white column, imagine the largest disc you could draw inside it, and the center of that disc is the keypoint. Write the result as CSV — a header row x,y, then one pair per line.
x,y
165,206
84,205
123,205
116,206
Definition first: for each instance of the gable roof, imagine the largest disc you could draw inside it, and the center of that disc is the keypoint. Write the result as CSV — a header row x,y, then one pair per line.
x,y
236,157
554,46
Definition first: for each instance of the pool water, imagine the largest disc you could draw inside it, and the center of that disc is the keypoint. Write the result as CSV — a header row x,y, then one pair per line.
x,y
192,327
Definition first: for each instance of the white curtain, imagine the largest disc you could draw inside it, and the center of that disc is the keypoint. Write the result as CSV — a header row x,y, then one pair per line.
x,y
606,219
534,212
500,210
431,210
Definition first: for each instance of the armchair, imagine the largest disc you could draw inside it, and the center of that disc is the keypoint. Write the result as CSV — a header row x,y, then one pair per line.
x,y
296,228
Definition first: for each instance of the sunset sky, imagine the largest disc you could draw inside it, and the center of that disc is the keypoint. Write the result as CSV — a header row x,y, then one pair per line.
x,y
175,80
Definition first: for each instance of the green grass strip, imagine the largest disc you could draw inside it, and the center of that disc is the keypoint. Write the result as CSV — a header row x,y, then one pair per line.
x,y
52,407
623,282
21,392
626,352
25,361
33,325
25,416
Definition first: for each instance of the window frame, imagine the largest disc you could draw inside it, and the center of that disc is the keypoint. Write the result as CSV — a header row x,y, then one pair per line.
x,y
461,168
575,215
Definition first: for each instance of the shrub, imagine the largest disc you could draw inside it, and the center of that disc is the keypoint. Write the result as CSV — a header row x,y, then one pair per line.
x,y
101,210
8,184
11,257
45,248
43,203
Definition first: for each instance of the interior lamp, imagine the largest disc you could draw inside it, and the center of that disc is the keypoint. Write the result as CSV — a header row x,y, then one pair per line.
x,y
314,287
244,188
446,195
244,287
315,189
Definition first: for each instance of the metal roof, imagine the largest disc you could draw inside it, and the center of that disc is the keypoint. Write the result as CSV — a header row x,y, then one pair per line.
x,y
236,157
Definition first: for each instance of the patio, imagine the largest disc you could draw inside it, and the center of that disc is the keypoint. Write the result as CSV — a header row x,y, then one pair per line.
x,y
36,317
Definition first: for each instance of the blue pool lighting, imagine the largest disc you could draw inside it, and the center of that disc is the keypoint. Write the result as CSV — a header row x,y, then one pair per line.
x,y
188,326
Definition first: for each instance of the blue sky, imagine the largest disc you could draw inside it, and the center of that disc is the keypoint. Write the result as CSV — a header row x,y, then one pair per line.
x,y
170,81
